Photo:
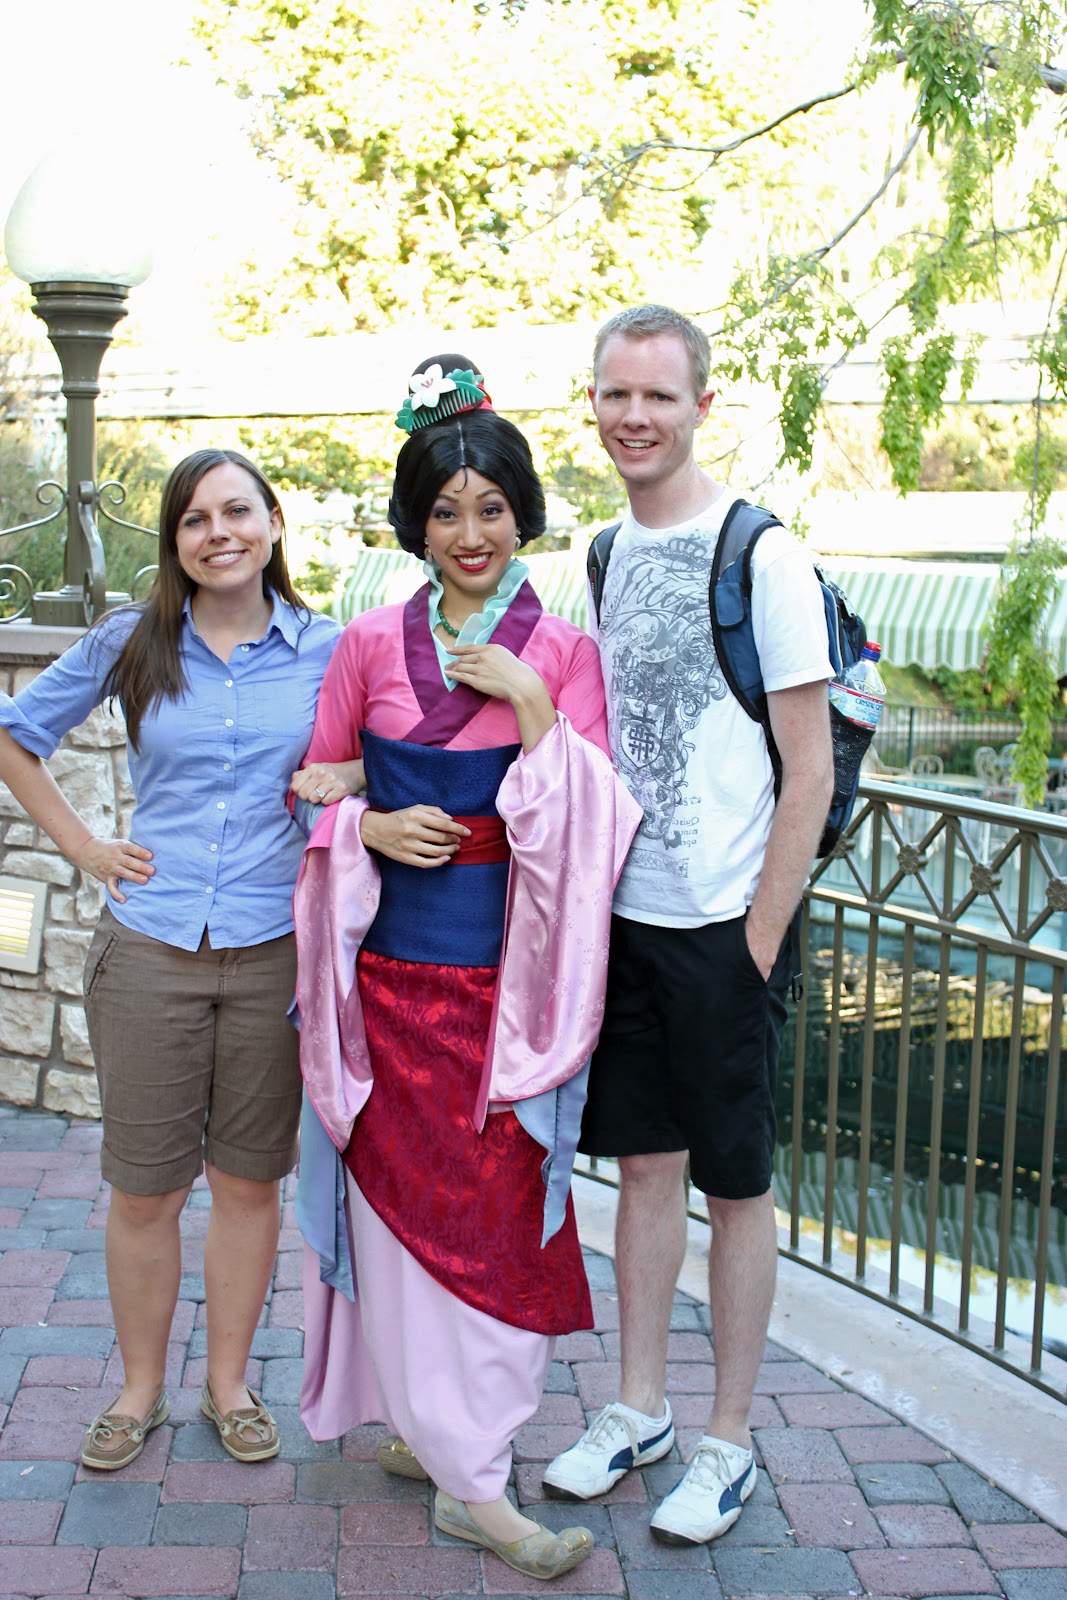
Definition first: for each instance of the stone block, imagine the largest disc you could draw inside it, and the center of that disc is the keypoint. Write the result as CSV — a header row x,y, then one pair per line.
x,y
65,950
282,1379
920,1573
76,1093
281,1538
977,1499
61,907
26,1269
20,835
917,1527
11,1370
384,1525
1033,1583
35,1480
100,1514
29,1521
803,1455
901,1484
1032,1546
287,1586
230,1483
29,1569
121,773
56,1341
74,1032
898,1443
785,1572
26,1023
19,1079
831,1516
86,781
431,1570
91,898
202,1524
167,1570
673,1586
103,729
41,866
342,1483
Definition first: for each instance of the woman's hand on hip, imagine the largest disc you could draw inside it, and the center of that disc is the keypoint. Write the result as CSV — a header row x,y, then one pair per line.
x,y
112,860
420,836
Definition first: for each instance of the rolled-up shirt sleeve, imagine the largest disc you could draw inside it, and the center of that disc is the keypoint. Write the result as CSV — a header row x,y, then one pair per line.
x,y
63,695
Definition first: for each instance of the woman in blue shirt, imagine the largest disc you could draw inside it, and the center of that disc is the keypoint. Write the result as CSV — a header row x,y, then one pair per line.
x,y
192,965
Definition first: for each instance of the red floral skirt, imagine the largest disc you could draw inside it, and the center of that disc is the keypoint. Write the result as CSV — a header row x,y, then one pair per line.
x,y
467,1203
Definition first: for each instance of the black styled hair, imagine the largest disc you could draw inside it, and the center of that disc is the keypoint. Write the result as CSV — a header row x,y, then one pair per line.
x,y
449,362
475,441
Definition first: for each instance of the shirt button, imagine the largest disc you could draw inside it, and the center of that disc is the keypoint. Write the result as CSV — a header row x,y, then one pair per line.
x,y
229,683
229,722
207,889
221,806
212,847
225,766
246,648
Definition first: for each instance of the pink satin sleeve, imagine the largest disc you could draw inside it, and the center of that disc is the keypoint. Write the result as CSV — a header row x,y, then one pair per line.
x,y
570,822
334,903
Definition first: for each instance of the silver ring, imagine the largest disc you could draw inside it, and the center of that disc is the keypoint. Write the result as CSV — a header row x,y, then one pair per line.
x,y
321,793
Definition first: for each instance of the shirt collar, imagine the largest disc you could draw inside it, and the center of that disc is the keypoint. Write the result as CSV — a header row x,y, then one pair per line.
x,y
282,617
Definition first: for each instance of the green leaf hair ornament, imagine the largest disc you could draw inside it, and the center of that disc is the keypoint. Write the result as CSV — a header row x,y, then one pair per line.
x,y
435,396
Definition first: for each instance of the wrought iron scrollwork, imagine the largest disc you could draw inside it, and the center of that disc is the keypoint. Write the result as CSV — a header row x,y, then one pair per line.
x,y
115,492
12,579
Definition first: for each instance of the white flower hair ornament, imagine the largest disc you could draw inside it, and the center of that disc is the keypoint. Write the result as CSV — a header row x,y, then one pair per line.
x,y
436,395
428,387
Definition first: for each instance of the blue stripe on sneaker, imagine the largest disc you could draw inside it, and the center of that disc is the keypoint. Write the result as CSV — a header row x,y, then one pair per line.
x,y
647,1444
731,1498
624,1459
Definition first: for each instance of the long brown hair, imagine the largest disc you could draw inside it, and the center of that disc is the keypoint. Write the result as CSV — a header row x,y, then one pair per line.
x,y
149,666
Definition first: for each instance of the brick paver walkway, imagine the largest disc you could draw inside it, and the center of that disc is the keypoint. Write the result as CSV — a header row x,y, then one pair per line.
x,y
850,1502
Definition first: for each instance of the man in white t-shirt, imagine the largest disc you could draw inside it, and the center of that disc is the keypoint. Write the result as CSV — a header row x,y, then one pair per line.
x,y
699,968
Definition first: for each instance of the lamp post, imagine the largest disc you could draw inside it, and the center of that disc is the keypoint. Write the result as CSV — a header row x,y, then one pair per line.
x,y
80,265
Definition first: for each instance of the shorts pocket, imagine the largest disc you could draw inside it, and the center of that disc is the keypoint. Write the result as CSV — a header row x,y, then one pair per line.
x,y
104,942
746,960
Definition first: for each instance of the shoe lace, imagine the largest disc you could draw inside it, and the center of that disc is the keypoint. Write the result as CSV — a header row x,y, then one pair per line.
x,y
611,1421
710,1469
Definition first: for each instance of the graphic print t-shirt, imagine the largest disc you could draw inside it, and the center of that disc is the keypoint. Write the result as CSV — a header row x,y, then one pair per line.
x,y
686,751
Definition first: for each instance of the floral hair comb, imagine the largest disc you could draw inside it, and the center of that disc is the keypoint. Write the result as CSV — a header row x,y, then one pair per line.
x,y
435,396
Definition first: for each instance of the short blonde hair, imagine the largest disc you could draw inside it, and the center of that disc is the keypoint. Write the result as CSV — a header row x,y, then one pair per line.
x,y
643,322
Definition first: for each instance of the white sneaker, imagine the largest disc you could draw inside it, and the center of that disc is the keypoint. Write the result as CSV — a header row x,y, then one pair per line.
x,y
718,1481
617,1440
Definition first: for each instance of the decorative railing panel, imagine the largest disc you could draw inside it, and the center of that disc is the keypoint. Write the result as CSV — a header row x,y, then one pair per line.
x,y
922,1112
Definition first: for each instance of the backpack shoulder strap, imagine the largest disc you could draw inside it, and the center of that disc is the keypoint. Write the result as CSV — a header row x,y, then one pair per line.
x,y
596,562
742,527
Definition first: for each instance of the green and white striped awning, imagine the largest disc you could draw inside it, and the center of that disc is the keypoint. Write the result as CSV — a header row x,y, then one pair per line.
x,y
927,613
934,613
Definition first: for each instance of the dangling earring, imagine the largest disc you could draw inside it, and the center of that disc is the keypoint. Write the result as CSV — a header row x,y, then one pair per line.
x,y
518,541
426,553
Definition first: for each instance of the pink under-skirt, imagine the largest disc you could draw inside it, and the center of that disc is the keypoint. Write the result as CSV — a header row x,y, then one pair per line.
x,y
454,1383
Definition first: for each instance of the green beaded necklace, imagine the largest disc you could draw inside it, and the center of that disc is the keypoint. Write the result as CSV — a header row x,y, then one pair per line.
x,y
446,625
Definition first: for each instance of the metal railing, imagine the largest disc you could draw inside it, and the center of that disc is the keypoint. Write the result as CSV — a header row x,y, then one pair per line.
x,y
922,1114
910,733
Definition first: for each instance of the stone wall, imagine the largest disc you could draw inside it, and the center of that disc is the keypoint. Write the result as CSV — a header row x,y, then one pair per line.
x,y
45,1059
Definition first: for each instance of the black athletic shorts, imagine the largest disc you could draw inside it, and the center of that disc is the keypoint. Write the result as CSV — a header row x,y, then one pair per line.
x,y
688,1054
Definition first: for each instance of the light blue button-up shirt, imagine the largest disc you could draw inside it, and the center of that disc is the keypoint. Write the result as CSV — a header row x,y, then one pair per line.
x,y
210,777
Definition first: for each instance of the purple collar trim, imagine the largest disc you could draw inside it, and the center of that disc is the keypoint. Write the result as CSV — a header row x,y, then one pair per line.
x,y
447,711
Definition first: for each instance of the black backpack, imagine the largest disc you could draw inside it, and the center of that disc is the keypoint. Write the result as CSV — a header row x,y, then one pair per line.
x,y
730,605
